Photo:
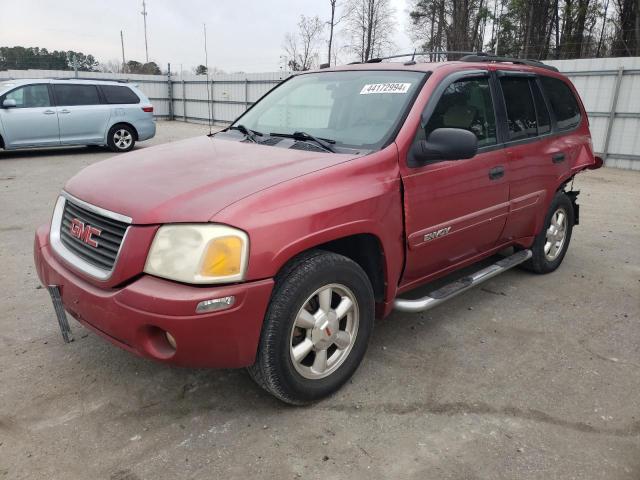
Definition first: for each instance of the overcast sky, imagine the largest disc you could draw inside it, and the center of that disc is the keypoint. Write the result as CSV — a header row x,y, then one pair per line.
x,y
243,35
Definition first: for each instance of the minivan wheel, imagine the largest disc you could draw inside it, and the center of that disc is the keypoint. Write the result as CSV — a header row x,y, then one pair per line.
x,y
316,329
551,244
121,138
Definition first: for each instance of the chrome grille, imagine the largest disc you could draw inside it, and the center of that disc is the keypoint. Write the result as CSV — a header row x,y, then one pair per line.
x,y
103,255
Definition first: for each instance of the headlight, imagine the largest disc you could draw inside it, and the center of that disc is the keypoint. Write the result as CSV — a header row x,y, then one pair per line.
x,y
203,253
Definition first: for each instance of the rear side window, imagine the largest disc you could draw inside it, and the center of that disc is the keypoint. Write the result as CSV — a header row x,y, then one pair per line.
x,y
563,102
466,104
521,112
30,96
70,95
114,94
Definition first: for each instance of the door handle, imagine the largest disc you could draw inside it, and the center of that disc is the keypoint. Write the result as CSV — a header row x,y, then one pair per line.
x,y
65,111
557,157
48,112
496,172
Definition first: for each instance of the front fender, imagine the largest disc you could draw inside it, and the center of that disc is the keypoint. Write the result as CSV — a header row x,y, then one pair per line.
x,y
361,196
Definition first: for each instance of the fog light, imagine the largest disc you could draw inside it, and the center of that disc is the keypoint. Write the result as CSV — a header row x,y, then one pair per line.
x,y
215,304
171,340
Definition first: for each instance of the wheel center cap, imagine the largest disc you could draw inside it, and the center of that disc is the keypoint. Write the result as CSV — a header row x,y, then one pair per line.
x,y
325,331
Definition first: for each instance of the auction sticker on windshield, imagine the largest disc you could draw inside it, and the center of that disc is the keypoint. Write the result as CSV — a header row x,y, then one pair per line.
x,y
385,88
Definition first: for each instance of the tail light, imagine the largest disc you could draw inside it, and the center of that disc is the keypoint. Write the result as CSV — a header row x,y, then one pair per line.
x,y
148,109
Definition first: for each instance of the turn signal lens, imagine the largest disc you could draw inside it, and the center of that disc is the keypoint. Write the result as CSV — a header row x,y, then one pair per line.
x,y
223,257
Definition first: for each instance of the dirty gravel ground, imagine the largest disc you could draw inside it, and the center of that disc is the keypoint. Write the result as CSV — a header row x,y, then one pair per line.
x,y
527,377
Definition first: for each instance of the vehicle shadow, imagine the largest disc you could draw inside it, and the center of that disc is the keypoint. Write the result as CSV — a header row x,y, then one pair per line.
x,y
56,151
50,152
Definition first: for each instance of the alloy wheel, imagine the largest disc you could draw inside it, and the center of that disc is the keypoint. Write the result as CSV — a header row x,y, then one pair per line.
x,y
324,331
122,139
556,235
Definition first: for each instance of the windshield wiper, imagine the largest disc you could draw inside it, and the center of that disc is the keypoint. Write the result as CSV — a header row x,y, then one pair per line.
x,y
325,143
250,134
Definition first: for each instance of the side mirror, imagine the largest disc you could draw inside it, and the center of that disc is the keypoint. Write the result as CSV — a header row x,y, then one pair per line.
x,y
9,103
444,144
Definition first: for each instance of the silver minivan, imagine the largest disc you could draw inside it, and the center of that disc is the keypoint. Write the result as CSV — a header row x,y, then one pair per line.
x,y
57,112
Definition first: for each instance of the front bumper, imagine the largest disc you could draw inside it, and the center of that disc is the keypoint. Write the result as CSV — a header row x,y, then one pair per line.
x,y
136,316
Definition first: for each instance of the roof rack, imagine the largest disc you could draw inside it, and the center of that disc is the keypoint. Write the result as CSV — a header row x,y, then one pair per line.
x,y
121,80
421,54
483,57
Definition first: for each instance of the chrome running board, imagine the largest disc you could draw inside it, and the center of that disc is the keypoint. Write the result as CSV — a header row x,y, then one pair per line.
x,y
452,289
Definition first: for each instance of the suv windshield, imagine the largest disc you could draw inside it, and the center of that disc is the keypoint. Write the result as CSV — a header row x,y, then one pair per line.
x,y
354,109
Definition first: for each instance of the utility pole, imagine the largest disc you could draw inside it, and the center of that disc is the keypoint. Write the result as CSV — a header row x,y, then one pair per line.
x,y
144,16
206,66
124,63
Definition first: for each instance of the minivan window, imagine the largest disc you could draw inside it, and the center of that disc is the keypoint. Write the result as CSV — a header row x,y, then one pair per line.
x,y
30,96
466,104
114,94
356,109
70,95
563,102
542,113
521,113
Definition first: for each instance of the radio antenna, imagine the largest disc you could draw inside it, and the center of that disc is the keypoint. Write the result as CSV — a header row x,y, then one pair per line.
x,y
206,66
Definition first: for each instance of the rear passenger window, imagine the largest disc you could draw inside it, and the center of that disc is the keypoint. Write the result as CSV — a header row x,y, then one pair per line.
x,y
70,95
114,94
563,102
544,123
521,112
466,104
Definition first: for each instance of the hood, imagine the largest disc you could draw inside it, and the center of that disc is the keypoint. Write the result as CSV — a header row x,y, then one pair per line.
x,y
191,180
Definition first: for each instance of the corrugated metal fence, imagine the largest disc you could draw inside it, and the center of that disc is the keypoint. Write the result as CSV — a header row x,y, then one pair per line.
x,y
184,97
610,90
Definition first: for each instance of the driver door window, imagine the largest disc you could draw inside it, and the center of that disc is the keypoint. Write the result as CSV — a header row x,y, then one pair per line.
x,y
30,96
465,104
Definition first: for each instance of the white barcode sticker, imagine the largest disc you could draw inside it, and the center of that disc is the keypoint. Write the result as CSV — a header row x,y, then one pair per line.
x,y
385,88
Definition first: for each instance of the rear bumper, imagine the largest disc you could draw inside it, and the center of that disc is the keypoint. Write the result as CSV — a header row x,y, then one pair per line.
x,y
146,129
136,316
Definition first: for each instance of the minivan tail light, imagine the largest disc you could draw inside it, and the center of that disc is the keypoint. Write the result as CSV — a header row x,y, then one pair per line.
x,y
147,109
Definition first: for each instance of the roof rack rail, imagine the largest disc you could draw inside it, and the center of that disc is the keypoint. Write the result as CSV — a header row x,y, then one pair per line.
x,y
421,54
86,79
519,61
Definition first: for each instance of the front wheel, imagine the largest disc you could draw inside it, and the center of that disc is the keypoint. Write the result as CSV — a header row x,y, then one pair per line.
x,y
121,138
316,329
551,244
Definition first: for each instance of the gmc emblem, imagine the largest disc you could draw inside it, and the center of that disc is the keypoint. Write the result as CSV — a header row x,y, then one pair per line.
x,y
83,232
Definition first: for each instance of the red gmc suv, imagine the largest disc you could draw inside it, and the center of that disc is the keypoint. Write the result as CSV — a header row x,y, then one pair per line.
x,y
275,243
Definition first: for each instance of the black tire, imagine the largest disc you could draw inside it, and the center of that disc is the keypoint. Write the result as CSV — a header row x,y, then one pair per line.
x,y
121,138
540,262
274,369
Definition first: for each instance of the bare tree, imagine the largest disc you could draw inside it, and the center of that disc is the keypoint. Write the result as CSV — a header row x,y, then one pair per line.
x,y
372,25
111,66
302,47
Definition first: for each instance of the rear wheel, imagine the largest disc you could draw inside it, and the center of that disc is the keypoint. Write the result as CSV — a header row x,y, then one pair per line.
x,y
121,138
316,329
551,244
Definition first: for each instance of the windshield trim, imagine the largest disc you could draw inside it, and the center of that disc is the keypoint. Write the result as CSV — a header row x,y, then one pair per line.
x,y
393,134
